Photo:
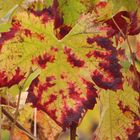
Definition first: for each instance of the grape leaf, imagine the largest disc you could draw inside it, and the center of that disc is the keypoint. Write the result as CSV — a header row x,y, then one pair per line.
x,y
70,70
120,112
66,14
76,8
46,127
14,75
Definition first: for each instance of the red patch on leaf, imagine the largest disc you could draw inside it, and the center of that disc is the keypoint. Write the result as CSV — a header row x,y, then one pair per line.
x,y
15,79
5,36
27,32
58,19
74,91
112,79
42,61
4,101
36,99
98,54
123,107
60,28
117,138
89,93
135,23
63,114
41,37
71,115
45,15
73,59
101,4
62,31
51,99
53,12
118,21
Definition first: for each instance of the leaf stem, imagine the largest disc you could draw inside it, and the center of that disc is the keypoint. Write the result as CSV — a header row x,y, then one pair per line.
x,y
73,131
110,116
130,50
0,120
18,103
16,115
35,122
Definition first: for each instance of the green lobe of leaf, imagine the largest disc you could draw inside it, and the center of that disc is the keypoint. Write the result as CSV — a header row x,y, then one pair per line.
x,y
71,10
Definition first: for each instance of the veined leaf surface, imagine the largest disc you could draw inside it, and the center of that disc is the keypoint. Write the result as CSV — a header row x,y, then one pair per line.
x,y
120,112
71,69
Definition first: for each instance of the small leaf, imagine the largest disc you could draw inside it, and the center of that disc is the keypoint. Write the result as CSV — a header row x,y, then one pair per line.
x,y
46,128
124,23
71,10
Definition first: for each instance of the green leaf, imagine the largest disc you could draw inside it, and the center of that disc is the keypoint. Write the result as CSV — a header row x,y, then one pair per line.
x,y
5,134
71,10
5,21
126,65
129,5
5,27
48,3
7,5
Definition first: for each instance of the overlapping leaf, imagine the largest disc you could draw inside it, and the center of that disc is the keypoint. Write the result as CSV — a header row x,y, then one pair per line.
x,y
124,23
46,127
6,5
120,112
106,10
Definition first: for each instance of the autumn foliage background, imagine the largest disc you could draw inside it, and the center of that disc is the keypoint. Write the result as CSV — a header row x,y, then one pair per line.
x,y
70,69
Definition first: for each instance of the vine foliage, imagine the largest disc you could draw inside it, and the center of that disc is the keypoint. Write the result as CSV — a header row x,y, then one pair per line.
x,y
67,56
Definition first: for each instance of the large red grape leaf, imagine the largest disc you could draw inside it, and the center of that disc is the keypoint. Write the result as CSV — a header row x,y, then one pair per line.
x,y
71,69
